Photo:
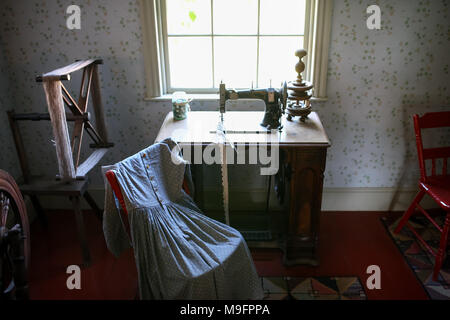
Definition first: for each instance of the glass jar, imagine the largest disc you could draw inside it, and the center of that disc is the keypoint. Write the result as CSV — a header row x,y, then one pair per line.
x,y
180,105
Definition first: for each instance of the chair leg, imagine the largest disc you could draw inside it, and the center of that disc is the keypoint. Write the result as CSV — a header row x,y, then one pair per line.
x,y
442,248
409,212
81,231
93,205
39,211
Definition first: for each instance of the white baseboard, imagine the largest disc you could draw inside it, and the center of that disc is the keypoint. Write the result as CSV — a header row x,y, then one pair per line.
x,y
334,199
371,199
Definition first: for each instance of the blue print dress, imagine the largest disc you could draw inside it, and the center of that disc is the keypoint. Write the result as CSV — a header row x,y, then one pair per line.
x,y
180,253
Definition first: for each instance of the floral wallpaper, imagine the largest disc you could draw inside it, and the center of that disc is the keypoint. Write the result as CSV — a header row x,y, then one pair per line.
x,y
377,80
8,158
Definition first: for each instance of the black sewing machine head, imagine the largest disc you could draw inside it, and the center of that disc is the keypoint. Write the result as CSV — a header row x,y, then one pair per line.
x,y
274,99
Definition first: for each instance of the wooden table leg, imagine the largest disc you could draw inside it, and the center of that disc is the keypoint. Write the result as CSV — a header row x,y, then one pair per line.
x,y
81,231
306,185
93,204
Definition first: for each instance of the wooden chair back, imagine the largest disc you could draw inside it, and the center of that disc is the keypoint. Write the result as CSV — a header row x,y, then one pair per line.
x,y
115,186
431,121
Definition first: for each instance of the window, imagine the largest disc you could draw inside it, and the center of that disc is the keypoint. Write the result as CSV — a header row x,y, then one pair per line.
x,y
194,45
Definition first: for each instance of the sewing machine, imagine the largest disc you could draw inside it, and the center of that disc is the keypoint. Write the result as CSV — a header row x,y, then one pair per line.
x,y
292,99
274,99
293,226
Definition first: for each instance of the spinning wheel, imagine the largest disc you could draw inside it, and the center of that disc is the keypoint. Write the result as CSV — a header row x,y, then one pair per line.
x,y
14,240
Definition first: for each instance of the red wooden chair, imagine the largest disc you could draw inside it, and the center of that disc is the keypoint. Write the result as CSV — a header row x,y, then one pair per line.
x,y
437,186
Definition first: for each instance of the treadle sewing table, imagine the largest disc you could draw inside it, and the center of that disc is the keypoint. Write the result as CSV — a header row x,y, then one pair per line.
x,y
303,149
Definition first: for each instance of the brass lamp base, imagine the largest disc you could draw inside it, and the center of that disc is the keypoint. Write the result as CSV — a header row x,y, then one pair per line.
x,y
294,110
299,93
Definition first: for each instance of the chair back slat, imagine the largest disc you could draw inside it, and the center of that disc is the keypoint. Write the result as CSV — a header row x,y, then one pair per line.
x,y
435,120
436,153
431,121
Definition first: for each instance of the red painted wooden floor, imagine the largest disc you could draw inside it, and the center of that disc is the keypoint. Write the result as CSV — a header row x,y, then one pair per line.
x,y
349,243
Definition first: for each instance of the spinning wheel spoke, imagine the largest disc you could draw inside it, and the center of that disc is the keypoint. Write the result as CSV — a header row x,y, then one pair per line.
x,y
4,209
14,240
6,268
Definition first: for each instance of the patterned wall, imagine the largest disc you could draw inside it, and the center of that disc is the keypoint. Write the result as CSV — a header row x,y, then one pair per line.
x,y
377,80
8,158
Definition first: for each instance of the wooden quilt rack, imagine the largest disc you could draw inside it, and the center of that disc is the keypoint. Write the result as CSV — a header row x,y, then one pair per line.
x,y
72,180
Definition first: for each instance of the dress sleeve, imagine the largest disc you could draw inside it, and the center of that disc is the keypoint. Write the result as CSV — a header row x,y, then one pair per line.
x,y
187,171
116,237
175,168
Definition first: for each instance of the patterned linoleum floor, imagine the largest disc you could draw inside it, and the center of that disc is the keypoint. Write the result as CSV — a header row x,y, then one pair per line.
x,y
317,288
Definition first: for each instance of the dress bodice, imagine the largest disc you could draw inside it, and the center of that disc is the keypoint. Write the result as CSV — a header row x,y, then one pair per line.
x,y
151,177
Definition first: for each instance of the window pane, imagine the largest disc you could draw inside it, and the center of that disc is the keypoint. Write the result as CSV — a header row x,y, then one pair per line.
x,y
188,17
277,60
190,62
235,16
235,61
282,17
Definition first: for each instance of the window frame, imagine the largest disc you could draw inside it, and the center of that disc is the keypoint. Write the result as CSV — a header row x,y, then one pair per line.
x,y
317,33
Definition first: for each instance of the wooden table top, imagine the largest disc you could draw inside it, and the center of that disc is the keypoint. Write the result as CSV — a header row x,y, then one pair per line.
x,y
200,128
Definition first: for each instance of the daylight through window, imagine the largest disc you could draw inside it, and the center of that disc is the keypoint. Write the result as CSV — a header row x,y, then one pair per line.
x,y
239,42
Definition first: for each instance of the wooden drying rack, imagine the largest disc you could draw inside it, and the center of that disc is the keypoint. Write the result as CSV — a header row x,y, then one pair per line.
x,y
72,180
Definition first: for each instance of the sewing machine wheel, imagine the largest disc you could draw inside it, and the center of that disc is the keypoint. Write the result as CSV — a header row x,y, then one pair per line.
x,y
14,240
